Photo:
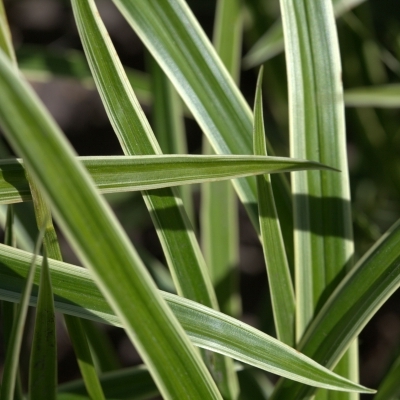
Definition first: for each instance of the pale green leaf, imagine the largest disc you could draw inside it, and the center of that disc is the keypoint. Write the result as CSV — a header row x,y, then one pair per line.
x,y
386,96
82,214
43,361
132,173
77,294
279,279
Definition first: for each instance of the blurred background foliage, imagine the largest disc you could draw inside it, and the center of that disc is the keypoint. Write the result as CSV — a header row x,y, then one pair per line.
x,y
49,51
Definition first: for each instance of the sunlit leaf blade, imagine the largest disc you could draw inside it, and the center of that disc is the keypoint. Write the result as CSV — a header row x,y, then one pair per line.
x,y
43,361
180,246
389,389
40,361
323,237
169,124
14,346
77,294
174,37
272,43
82,214
363,291
279,279
129,383
132,173
386,96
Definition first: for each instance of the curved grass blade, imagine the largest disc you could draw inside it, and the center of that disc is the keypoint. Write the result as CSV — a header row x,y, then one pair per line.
x,y
272,42
77,294
130,173
280,282
177,42
13,351
363,291
82,214
38,382
43,361
386,96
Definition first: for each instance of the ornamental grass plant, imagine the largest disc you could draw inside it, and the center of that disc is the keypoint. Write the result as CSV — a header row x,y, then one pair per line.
x,y
276,154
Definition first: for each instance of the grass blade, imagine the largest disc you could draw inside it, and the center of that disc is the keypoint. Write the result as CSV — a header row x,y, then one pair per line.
x,y
123,173
82,214
5,35
280,282
14,347
43,361
385,96
272,42
174,37
366,287
75,330
77,294
390,386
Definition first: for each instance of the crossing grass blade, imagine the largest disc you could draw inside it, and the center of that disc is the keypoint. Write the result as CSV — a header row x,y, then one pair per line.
x,y
14,346
43,361
133,173
363,291
82,214
272,42
77,294
385,96
174,37
42,369
279,279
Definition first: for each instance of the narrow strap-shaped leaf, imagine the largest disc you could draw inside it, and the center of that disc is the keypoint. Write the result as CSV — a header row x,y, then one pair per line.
x,y
13,351
43,361
77,294
180,246
75,330
323,237
272,43
280,282
126,173
169,125
100,242
171,33
363,291
386,96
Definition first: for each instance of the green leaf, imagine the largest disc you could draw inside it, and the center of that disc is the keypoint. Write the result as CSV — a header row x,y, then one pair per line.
x,y
77,294
272,42
14,346
43,361
82,214
175,39
133,173
279,279
358,297
5,35
385,96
